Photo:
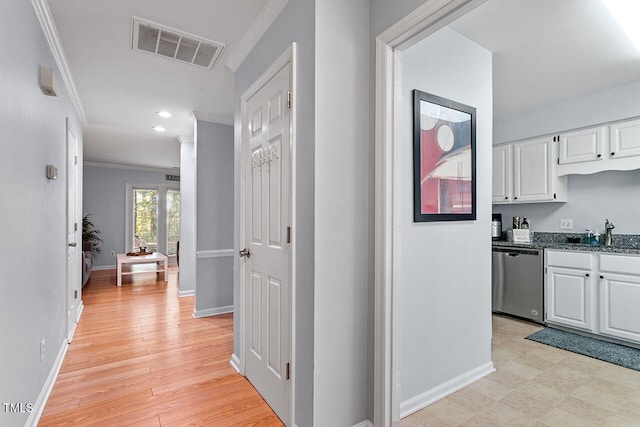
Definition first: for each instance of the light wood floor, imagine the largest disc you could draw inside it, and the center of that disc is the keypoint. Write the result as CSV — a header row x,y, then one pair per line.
x,y
537,385
140,358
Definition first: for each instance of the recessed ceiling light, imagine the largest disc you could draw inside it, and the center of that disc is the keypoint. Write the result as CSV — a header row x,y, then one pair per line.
x,y
626,13
159,129
164,114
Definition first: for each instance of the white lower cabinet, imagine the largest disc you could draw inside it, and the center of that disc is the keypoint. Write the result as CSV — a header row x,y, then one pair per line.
x,y
570,290
619,297
597,293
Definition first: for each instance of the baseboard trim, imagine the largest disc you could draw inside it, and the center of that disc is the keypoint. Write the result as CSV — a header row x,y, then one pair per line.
x,y
365,423
425,399
212,311
41,402
189,293
235,362
103,267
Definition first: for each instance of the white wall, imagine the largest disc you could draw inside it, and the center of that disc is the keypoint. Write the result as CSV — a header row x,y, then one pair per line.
x,y
342,357
444,267
214,218
591,198
32,212
187,274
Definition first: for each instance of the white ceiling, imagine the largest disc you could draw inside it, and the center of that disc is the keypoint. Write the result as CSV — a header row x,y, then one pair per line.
x,y
121,89
545,51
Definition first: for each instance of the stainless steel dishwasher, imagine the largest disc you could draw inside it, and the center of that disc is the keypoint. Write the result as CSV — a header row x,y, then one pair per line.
x,y
517,282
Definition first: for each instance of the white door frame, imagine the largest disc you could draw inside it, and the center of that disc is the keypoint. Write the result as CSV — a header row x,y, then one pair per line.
x,y
289,56
425,20
162,204
74,281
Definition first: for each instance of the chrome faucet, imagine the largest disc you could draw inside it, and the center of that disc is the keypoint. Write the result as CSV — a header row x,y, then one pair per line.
x,y
608,238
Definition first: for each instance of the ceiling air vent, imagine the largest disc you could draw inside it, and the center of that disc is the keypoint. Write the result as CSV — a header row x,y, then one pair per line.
x,y
170,43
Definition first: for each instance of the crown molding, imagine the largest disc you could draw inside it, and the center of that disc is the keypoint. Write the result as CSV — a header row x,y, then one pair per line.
x,y
266,17
208,117
43,13
171,171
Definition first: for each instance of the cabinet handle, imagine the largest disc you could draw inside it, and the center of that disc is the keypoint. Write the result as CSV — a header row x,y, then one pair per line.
x,y
515,198
602,277
587,275
613,153
599,155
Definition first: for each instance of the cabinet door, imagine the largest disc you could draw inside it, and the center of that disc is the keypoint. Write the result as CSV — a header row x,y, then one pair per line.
x,y
584,145
625,139
619,306
569,298
502,173
532,170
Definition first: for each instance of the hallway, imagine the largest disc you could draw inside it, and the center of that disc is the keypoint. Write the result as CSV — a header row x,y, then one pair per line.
x,y
139,357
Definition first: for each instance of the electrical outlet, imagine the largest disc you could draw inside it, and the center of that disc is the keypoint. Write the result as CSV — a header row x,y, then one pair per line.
x,y
566,224
113,253
42,347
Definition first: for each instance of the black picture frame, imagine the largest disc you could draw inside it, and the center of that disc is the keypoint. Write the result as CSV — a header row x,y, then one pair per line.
x,y
444,159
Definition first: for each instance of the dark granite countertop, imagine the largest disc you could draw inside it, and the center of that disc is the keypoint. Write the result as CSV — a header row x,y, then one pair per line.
x,y
622,243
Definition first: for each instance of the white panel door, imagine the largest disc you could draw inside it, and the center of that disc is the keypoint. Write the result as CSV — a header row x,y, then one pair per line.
x,y
268,268
583,145
619,302
625,139
570,298
73,280
532,170
502,173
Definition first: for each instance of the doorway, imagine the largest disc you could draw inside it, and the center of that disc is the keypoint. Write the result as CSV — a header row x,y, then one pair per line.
x,y
267,278
73,268
153,219
390,119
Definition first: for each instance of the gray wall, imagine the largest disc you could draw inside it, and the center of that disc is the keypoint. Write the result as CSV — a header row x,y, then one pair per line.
x,y
296,23
105,193
591,198
444,310
343,358
32,211
214,217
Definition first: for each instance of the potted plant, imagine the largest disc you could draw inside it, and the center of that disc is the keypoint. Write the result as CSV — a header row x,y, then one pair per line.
x,y
91,235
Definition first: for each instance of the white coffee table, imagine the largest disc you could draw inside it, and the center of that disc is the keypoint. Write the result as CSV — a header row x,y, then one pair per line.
x,y
154,258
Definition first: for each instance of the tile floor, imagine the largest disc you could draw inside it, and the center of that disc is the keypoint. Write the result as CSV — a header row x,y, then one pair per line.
x,y
538,385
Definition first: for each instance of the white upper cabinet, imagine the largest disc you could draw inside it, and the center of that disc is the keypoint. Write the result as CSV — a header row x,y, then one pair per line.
x,y
625,139
503,173
584,145
524,172
612,146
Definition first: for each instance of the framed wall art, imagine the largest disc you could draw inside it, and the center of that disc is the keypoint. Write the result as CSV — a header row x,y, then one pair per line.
x,y
444,159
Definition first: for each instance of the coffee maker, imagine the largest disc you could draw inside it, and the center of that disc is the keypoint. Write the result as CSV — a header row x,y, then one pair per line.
x,y
496,226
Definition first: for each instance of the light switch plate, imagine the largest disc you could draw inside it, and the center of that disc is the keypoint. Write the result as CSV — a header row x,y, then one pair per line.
x,y
566,224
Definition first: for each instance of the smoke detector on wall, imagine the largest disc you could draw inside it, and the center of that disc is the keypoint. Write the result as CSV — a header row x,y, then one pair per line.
x,y
157,39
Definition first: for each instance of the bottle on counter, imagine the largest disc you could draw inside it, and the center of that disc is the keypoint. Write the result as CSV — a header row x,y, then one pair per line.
x,y
596,238
525,223
588,236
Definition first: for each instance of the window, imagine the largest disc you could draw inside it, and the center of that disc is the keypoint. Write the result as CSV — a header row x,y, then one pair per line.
x,y
153,218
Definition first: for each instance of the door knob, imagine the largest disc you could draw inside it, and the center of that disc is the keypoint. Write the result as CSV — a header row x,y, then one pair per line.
x,y
73,245
245,253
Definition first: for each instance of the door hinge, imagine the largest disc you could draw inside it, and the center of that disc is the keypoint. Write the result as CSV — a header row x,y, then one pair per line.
x,y
289,99
288,371
288,234
75,160
75,226
75,294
